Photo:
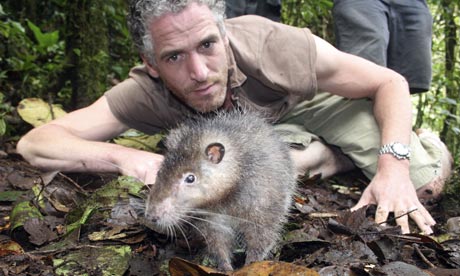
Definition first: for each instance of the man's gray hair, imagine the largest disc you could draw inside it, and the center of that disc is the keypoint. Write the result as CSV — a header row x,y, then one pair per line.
x,y
142,12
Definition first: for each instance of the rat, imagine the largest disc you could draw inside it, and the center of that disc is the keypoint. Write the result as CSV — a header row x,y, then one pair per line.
x,y
225,176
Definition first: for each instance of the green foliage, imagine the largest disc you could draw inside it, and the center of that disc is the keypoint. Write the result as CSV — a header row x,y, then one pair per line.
x,y
439,109
5,109
67,52
122,53
313,14
45,40
29,66
6,113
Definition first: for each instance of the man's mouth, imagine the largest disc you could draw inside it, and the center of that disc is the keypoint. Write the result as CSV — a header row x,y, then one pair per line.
x,y
204,90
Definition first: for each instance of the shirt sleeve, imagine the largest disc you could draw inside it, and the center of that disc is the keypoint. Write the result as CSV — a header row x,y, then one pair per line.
x,y
142,104
280,56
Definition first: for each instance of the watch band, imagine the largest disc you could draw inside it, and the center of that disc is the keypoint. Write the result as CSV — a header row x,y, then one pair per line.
x,y
398,150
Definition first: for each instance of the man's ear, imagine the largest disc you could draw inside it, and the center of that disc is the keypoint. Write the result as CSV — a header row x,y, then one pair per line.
x,y
151,69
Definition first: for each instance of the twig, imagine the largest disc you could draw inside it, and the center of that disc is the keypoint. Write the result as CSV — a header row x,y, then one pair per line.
x,y
419,252
75,184
395,218
323,215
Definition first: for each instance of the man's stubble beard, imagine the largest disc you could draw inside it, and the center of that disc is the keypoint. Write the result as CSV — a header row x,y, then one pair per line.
x,y
209,103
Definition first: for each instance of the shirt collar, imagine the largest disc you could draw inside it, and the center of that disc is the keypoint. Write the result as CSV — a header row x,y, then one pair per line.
x,y
236,77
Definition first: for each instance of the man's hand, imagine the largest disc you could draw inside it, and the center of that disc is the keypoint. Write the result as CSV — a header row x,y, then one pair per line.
x,y
142,165
76,143
392,191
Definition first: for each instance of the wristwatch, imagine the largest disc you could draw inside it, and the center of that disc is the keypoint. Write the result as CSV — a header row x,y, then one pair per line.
x,y
397,149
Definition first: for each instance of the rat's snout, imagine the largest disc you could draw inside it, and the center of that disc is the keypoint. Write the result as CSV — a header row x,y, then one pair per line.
x,y
162,213
150,213
155,212
152,216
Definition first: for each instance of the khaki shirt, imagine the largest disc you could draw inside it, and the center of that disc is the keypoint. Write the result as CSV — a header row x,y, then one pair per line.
x,y
271,69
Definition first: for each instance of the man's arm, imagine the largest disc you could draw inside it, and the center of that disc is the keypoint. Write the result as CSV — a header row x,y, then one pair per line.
x,y
76,143
353,77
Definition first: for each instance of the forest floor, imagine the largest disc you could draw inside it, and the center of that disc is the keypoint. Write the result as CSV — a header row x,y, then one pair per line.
x,y
41,233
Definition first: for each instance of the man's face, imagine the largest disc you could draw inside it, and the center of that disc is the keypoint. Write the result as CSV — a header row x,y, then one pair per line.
x,y
191,57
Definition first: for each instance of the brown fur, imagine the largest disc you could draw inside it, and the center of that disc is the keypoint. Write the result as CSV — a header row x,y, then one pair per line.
x,y
245,187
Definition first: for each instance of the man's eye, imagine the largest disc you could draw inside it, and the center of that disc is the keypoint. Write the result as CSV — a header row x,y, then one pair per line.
x,y
173,58
207,44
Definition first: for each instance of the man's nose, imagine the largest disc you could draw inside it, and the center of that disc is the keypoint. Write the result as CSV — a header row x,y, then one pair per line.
x,y
197,67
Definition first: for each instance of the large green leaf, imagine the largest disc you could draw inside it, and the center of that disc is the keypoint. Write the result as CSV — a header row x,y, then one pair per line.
x,y
44,40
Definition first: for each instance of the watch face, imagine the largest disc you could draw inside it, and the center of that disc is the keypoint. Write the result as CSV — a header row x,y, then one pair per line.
x,y
400,149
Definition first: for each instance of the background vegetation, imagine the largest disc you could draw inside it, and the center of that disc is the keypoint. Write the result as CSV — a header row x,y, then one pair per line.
x,y
70,52
66,52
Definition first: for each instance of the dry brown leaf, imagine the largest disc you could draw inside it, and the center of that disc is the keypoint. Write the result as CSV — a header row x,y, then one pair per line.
x,y
179,267
273,268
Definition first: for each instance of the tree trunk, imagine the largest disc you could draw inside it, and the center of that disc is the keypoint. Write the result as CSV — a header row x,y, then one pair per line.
x,y
86,48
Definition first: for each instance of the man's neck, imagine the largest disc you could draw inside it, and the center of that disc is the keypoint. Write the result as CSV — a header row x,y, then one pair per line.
x,y
228,103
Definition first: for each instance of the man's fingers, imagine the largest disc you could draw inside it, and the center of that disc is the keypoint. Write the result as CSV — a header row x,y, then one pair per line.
x,y
356,207
359,205
150,178
381,214
421,222
423,219
428,218
365,199
403,221
419,215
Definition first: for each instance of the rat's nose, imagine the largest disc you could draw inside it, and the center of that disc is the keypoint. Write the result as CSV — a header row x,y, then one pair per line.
x,y
155,218
152,218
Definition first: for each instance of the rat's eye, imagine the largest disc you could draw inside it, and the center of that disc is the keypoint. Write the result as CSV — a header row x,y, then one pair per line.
x,y
189,179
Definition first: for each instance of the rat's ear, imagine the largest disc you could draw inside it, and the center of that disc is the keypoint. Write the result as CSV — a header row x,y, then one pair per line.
x,y
215,152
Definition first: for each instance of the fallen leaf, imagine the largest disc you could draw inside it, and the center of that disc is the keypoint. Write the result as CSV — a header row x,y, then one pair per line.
x,y
11,196
21,181
138,140
273,268
37,112
91,260
22,212
180,267
117,233
39,231
9,247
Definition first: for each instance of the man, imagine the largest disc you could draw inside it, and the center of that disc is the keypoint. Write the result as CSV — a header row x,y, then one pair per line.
x,y
392,33
195,63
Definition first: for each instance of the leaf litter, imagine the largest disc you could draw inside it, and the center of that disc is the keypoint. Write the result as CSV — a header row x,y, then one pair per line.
x,y
91,224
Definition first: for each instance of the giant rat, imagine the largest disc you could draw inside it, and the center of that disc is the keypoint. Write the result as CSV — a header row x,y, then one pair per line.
x,y
224,175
